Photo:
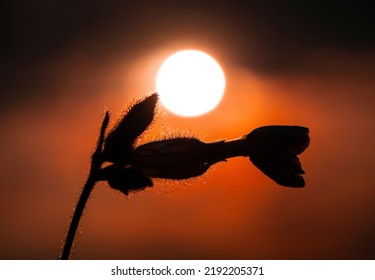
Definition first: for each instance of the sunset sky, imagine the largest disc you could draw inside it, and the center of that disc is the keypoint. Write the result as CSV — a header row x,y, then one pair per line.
x,y
310,64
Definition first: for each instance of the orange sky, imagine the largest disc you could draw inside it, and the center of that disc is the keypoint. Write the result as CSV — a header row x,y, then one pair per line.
x,y
234,211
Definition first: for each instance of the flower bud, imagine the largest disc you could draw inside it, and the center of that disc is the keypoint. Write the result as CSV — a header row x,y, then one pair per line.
x,y
274,150
178,158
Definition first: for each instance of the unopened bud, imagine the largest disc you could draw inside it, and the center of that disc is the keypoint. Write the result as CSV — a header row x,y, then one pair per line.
x,y
178,158
274,149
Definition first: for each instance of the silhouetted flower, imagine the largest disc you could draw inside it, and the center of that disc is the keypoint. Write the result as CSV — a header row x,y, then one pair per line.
x,y
274,150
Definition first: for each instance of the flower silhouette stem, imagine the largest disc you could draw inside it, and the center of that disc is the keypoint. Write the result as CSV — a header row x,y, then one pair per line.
x,y
96,162
89,185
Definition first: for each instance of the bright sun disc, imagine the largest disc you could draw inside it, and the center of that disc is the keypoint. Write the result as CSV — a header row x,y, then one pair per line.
x,y
190,83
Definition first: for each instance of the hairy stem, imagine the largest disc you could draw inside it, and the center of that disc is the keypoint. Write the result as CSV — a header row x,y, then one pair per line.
x,y
89,185
96,162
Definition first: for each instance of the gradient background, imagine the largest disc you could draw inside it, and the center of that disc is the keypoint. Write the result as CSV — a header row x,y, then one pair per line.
x,y
310,64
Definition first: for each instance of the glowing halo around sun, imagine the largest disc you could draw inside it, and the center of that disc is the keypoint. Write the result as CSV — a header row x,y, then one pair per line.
x,y
190,83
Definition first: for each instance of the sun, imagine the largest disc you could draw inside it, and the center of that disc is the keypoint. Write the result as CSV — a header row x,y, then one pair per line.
x,y
190,83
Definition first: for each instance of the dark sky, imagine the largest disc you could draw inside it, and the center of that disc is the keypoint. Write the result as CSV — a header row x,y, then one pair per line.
x,y
308,63
268,36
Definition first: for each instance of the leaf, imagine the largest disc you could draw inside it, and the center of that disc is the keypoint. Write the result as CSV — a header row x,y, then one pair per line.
x,y
118,145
